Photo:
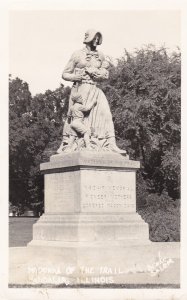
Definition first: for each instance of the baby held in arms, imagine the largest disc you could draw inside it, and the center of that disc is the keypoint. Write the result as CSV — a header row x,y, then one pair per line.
x,y
94,73
98,73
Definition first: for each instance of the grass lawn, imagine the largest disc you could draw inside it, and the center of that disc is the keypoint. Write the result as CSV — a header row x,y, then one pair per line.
x,y
20,230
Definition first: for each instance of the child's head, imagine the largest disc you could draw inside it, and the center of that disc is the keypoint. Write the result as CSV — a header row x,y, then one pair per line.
x,y
105,64
77,99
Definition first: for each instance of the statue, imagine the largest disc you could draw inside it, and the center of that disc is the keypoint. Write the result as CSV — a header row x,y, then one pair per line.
x,y
89,124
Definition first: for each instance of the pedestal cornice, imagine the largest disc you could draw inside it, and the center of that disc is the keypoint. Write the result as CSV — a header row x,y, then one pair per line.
x,y
88,160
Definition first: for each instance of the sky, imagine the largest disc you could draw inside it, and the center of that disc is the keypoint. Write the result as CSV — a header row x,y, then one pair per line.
x,y
41,42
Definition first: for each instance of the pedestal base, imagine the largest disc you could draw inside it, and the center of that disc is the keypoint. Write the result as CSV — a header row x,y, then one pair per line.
x,y
118,229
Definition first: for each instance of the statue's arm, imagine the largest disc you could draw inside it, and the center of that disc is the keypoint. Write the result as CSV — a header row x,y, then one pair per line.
x,y
68,73
102,74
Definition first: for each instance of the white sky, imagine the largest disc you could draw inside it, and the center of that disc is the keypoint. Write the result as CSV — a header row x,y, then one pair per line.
x,y
41,42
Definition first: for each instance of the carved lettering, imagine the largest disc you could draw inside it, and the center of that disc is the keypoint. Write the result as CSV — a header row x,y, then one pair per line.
x,y
117,196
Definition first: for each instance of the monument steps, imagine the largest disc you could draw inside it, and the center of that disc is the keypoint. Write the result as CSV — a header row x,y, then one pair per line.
x,y
89,227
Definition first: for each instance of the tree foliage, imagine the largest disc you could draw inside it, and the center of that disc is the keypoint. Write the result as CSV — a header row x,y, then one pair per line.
x,y
144,94
35,122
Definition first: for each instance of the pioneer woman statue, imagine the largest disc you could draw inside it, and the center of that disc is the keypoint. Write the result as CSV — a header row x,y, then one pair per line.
x,y
86,68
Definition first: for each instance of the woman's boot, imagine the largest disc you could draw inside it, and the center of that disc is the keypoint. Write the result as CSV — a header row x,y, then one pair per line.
x,y
114,147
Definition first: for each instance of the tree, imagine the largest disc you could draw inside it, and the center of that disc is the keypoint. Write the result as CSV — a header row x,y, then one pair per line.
x,y
19,100
144,95
35,123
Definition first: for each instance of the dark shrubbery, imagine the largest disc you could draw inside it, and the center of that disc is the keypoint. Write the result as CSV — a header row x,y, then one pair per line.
x,y
161,212
163,216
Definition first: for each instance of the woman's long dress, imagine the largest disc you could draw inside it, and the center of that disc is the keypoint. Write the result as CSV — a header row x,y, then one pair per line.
x,y
99,119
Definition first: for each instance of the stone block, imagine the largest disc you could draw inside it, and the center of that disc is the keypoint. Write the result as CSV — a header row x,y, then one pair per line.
x,y
90,197
118,228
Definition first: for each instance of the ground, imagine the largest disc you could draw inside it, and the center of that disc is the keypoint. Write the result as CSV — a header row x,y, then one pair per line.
x,y
20,231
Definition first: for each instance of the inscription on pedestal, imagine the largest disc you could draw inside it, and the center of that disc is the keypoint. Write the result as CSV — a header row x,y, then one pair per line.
x,y
108,191
62,192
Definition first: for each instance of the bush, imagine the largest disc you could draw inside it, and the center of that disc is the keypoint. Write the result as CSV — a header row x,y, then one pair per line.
x,y
163,216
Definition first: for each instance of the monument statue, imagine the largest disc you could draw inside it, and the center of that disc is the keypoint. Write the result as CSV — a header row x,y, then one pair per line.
x,y
90,218
89,124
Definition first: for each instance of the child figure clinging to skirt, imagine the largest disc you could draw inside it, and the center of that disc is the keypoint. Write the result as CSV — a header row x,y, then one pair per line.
x,y
77,125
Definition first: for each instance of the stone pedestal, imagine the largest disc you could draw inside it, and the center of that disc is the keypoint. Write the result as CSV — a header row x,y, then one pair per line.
x,y
90,233
90,198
